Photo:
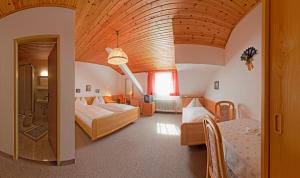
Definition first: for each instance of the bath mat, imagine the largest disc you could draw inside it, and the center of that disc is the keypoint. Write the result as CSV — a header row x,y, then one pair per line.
x,y
36,133
23,129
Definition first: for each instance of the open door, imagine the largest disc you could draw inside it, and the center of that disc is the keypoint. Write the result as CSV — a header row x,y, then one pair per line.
x,y
36,103
52,107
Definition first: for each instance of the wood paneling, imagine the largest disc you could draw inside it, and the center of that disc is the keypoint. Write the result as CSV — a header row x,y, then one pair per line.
x,y
284,88
148,28
185,101
38,50
192,133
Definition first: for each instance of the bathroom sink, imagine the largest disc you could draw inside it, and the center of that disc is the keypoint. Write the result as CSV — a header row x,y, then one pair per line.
x,y
42,101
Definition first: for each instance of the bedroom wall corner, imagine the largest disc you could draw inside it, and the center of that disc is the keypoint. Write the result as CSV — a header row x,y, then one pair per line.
x,y
237,84
195,78
100,77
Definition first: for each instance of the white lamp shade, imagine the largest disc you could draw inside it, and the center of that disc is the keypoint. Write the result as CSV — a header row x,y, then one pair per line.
x,y
117,57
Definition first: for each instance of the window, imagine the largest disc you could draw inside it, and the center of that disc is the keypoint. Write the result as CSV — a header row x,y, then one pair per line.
x,y
163,84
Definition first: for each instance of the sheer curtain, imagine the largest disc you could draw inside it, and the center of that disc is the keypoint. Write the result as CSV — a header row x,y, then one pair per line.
x,y
175,83
151,83
163,84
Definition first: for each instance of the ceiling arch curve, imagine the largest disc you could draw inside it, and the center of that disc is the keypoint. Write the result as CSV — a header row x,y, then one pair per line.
x,y
148,28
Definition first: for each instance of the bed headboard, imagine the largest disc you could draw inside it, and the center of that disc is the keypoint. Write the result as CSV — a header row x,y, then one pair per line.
x,y
90,99
187,99
210,105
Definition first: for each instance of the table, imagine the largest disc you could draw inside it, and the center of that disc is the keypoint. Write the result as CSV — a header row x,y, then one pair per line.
x,y
242,149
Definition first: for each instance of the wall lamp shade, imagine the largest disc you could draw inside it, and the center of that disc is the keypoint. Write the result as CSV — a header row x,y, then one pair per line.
x,y
117,57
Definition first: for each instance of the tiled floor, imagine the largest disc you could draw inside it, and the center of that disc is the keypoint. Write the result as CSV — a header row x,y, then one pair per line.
x,y
35,150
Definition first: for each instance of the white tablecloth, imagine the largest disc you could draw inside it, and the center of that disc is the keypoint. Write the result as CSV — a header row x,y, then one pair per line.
x,y
241,147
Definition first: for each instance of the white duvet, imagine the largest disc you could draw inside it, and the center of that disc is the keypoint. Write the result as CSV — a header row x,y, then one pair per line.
x,y
194,114
87,113
115,107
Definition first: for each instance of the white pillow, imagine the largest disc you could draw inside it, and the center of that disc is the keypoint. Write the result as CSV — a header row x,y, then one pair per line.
x,y
101,100
197,103
96,102
191,104
83,100
194,103
77,101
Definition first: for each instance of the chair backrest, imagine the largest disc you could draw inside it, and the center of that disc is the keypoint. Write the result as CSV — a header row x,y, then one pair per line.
x,y
224,111
216,167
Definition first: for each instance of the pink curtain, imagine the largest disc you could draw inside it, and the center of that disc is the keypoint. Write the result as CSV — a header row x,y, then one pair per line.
x,y
175,83
151,83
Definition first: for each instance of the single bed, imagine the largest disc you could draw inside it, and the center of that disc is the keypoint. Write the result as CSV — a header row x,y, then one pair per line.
x,y
98,122
192,132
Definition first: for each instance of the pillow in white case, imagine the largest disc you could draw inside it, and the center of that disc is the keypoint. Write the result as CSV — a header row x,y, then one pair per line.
x,y
197,103
77,101
97,101
191,104
101,100
194,103
83,100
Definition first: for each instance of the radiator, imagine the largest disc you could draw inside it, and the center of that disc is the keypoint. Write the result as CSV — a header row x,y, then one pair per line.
x,y
166,105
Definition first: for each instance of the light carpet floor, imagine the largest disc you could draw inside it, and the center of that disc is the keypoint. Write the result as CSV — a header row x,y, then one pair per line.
x,y
148,148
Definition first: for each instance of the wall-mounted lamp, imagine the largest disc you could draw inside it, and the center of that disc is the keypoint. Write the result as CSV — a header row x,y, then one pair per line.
x,y
44,73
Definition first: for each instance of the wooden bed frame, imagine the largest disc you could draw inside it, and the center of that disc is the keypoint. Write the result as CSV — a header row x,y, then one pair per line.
x,y
109,124
192,133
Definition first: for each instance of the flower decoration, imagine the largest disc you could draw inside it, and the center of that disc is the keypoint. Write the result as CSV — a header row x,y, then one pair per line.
x,y
247,56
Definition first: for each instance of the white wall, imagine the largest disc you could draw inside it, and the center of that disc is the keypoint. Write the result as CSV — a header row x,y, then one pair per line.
x,y
38,21
195,78
196,65
236,82
198,54
100,77
143,79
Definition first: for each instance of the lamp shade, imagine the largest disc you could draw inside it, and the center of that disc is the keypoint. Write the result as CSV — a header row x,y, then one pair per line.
x,y
117,57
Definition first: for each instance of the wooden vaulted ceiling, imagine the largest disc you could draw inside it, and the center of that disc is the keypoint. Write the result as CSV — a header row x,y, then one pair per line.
x,y
148,28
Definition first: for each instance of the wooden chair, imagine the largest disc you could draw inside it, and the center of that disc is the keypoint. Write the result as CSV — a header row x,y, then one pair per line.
x,y
216,167
224,111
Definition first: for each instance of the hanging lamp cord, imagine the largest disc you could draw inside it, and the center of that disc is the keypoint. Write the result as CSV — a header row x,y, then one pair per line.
x,y
117,38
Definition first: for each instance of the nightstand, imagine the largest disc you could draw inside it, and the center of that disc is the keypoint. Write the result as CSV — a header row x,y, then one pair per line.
x,y
148,109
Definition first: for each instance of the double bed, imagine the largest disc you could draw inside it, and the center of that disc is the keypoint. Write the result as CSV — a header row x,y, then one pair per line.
x,y
192,132
99,120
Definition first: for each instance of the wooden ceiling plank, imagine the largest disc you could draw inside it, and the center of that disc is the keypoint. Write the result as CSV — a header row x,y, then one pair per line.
x,y
149,28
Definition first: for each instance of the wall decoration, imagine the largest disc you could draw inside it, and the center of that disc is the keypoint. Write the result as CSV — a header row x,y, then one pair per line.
x,y
216,85
97,90
247,57
88,88
77,90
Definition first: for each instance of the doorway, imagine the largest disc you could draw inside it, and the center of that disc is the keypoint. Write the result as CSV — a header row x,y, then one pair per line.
x,y
36,121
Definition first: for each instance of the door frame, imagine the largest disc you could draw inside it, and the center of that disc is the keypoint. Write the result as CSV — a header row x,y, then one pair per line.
x,y
17,42
265,137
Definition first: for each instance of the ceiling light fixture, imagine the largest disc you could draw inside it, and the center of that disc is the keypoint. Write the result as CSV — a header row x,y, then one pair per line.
x,y
117,56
